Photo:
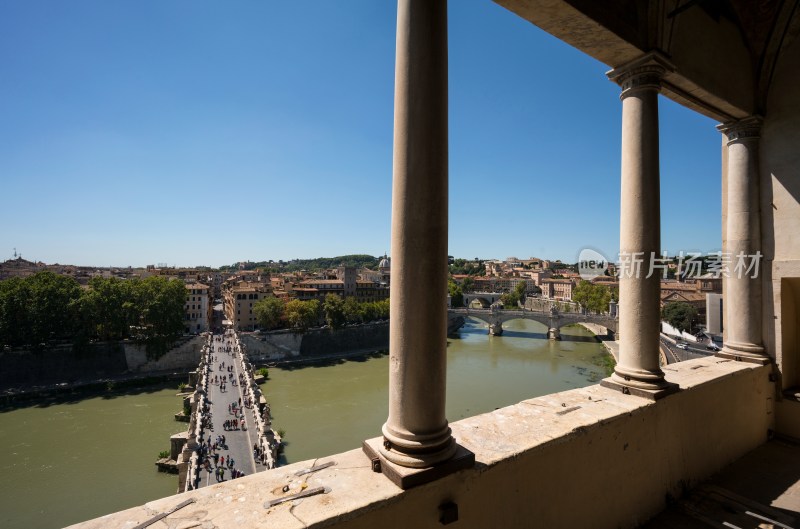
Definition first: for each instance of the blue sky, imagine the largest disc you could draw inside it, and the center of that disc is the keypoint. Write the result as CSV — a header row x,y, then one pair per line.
x,y
194,132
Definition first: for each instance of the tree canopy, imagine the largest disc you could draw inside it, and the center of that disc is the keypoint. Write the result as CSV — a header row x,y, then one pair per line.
x,y
679,314
269,312
318,263
46,306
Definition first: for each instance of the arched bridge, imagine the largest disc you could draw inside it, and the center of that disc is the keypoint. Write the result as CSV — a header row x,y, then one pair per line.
x,y
552,318
486,299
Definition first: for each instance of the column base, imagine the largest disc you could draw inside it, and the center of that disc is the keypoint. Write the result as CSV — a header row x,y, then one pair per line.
x,y
405,477
652,394
743,356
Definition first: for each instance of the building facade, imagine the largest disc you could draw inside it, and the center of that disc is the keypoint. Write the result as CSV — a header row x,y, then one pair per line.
x,y
197,309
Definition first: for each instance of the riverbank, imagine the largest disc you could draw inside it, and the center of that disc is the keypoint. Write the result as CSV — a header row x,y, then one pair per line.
x,y
604,337
112,386
265,347
26,370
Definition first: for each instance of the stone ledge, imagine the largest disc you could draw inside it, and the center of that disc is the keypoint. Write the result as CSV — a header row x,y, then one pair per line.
x,y
498,439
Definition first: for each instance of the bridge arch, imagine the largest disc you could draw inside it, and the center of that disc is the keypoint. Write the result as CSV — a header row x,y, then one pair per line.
x,y
477,303
599,324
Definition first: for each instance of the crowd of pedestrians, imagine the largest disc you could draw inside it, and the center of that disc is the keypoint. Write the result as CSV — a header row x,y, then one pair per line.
x,y
214,454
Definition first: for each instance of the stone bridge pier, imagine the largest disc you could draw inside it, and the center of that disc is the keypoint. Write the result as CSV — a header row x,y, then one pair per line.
x,y
496,329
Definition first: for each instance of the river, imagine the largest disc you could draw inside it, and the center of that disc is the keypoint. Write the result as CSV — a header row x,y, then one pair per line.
x,y
69,461
329,408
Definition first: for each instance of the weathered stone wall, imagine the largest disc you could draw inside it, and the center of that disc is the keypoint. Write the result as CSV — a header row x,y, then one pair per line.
x,y
273,346
185,355
24,368
322,342
279,345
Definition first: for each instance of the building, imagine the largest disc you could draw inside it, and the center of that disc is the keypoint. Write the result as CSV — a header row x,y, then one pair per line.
x,y
346,284
197,309
715,314
558,289
238,301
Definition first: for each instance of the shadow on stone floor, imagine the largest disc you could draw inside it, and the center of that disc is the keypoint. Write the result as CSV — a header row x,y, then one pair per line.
x,y
760,490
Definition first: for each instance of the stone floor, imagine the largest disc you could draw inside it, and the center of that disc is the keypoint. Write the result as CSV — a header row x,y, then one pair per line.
x,y
760,491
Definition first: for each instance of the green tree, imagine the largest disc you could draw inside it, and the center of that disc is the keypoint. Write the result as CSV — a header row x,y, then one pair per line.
x,y
15,328
591,296
679,314
600,298
333,307
381,309
110,306
38,308
456,295
269,312
302,314
160,303
582,293
468,285
355,312
521,290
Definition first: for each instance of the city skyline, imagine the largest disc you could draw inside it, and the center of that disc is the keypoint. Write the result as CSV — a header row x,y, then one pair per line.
x,y
244,127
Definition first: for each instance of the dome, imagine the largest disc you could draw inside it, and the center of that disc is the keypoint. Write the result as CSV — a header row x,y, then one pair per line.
x,y
384,262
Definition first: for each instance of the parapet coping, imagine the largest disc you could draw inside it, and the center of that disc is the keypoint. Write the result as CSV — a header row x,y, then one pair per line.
x,y
494,437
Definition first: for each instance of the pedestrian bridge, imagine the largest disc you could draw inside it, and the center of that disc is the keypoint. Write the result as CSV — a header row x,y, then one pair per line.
x,y
552,318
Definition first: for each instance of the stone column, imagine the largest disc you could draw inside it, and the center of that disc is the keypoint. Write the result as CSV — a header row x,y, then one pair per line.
x,y
638,370
417,434
743,238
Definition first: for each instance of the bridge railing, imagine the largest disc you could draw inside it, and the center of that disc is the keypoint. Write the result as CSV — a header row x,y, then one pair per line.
x,y
268,440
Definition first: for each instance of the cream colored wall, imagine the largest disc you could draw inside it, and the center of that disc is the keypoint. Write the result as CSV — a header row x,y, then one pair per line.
x,y
780,210
614,474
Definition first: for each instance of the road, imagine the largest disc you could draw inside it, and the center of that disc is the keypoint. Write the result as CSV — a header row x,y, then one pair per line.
x,y
239,443
677,354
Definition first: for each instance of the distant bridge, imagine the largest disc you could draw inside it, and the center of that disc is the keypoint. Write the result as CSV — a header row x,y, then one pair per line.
x,y
552,318
486,299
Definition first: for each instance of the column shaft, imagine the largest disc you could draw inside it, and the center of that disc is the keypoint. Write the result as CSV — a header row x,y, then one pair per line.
x,y
743,230
416,433
640,226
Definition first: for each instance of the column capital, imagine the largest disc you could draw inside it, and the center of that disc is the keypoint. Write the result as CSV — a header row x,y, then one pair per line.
x,y
643,73
747,129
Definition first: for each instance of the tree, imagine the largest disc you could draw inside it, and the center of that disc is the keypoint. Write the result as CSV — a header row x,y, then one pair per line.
x,y
521,290
333,307
110,306
591,296
468,285
679,314
355,312
582,292
38,308
269,312
456,295
302,314
599,299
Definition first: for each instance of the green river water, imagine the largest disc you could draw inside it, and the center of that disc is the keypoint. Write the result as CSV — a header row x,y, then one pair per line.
x,y
74,460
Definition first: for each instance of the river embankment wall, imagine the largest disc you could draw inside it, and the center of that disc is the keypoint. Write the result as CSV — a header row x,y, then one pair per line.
x,y
66,364
313,343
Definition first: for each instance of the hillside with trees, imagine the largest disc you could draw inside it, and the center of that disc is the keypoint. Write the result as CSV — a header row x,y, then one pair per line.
x,y
319,263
